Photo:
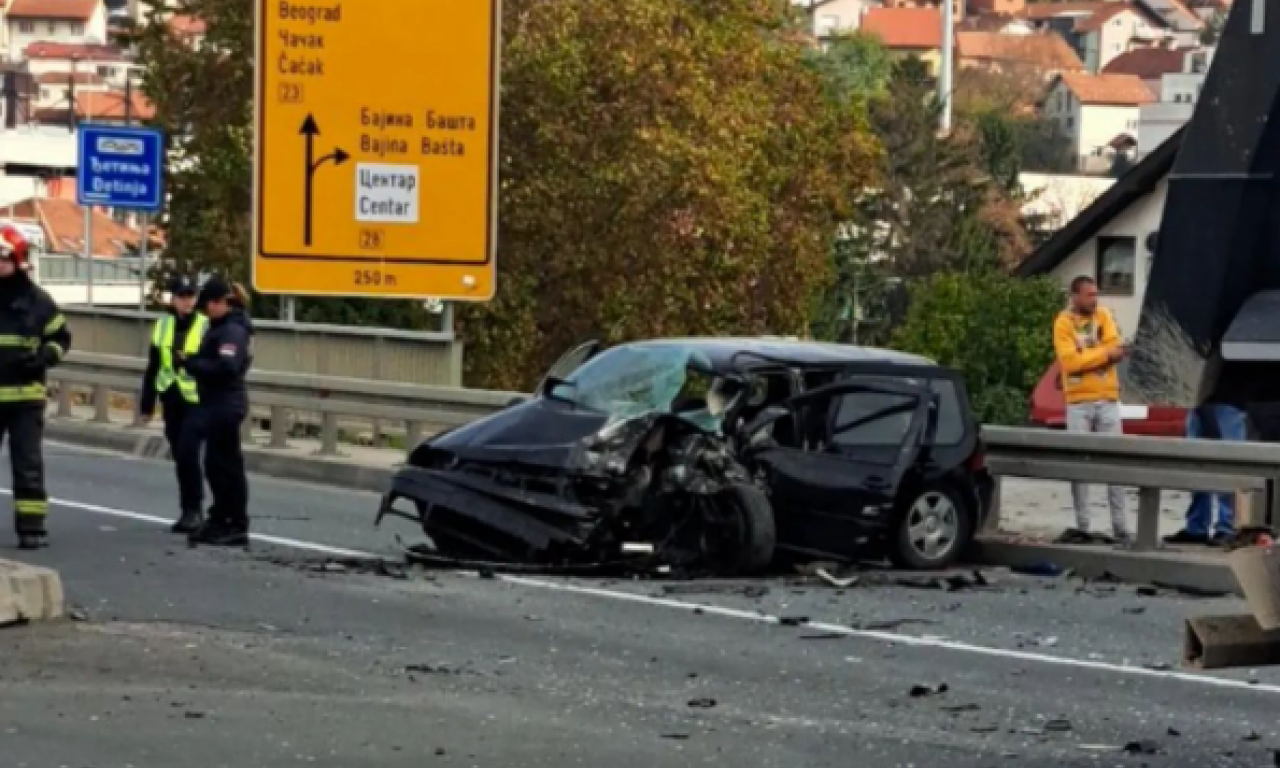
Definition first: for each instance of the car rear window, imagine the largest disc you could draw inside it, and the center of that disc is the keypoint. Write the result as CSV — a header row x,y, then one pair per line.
x,y
890,430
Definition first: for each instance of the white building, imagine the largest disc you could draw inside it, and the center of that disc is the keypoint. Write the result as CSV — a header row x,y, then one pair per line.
x,y
1179,92
1097,113
1113,240
107,62
74,22
833,17
1115,30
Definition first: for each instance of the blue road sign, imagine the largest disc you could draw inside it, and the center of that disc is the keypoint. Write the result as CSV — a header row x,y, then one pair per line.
x,y
120,167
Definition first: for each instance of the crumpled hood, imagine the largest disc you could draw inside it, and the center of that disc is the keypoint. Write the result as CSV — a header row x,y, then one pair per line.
x,y
540,432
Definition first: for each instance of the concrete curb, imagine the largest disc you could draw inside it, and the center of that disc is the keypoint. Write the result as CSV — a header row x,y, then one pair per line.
x,y
1173,569
261,461
29,593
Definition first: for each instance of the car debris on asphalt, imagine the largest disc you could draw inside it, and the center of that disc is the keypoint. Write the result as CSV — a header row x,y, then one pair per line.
x,y
921,691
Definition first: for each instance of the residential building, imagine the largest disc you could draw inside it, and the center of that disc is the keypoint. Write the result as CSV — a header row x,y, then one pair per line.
x,y
1179,92
1113,240
957,7
997,23
99,106
75,22
827,17
1149,64
997,7
1098,113
109,63
193,29
1183,22
1117,29
1052,200
1043,53
63,224
56,89
908,33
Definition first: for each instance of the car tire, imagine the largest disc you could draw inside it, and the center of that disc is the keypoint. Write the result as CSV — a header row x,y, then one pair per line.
x,y
935,526
759,536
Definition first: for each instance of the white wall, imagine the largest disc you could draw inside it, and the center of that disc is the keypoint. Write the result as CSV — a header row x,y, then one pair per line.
x,y
114,71
840,16
51,147
54,95
1116,37
1157,122
1098,125
1142,217
24,32
1060,197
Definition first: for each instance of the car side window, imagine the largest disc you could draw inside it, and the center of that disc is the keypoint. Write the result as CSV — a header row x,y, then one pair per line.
x,y
872,419
950,428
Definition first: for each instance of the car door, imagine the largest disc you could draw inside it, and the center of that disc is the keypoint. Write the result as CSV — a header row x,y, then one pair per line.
x,y
836,483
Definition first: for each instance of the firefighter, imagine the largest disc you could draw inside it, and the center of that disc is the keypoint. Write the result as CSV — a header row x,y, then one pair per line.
x,y
33,338
219,369
176,335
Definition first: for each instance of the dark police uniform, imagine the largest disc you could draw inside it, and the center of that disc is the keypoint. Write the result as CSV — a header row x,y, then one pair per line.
x,y
33,338
173,338
219,369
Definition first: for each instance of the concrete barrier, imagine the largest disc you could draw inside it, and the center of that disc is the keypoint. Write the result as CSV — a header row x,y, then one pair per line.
x,y
28,593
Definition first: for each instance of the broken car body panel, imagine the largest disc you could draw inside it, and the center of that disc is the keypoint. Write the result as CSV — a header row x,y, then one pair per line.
x,y
619,448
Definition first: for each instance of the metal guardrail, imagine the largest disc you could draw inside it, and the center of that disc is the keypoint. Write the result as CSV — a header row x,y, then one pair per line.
x,y
432,358
1149,464
285,396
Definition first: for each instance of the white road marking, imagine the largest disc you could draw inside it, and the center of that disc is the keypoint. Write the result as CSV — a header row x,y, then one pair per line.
x,y
277,540
734,613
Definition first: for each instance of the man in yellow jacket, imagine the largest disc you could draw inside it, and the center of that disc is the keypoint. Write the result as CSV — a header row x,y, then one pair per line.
x,y
1089,349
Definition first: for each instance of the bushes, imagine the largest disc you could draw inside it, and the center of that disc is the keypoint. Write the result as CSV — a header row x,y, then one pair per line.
x,y
993,328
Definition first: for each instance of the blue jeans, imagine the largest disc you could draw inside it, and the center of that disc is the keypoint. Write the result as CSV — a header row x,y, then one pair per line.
x,y
1232,425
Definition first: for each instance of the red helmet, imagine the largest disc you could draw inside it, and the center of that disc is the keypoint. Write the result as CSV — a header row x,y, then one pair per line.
x,y
14,246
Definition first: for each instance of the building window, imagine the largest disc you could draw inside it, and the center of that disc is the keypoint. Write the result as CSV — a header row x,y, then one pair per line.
x,y
1071,123
27,27
53,27
107,72
1116,265
77,28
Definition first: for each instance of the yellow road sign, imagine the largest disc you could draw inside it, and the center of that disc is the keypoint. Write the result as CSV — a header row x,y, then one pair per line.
x,y
376,165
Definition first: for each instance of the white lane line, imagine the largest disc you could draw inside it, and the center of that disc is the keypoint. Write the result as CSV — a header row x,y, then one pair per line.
x,y
892,637
277,540
733,613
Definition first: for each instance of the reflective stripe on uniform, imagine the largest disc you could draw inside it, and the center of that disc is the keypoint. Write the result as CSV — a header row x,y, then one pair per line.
x,y
22,393
31,507
55,324
58,351
30,342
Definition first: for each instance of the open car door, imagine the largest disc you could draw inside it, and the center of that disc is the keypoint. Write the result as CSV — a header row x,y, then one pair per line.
x,y
833,482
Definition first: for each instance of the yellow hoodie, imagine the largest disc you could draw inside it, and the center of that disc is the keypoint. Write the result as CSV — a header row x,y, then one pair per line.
x,y
1081,342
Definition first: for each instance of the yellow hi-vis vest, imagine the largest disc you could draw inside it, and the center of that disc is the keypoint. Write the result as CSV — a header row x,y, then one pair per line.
x,y
162,338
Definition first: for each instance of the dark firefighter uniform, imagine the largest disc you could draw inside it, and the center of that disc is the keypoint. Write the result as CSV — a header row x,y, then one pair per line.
x,y
176,336
219,369
33,338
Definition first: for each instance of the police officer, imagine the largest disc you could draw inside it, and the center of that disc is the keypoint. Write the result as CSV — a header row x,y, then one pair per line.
x,y
219,368
178,334
33,338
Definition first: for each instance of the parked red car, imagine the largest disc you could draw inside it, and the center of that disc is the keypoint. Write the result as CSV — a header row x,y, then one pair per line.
x,y
1048,409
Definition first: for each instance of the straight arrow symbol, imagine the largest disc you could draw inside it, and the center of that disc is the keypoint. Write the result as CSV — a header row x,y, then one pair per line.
x,y
311,130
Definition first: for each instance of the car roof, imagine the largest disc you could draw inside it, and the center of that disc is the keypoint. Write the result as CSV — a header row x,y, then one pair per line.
x,y
724,353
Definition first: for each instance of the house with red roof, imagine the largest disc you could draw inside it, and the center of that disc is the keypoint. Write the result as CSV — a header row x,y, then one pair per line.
x,y
74,22
1100,114
908,33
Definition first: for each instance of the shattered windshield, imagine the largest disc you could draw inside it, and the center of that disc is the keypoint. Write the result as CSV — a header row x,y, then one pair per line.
x,y
630,381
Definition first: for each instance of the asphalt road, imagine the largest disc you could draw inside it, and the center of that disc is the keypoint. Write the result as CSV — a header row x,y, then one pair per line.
x,y
207,658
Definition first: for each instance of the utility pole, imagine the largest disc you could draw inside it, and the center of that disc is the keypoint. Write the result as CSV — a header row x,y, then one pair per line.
x,y
144,221
948,59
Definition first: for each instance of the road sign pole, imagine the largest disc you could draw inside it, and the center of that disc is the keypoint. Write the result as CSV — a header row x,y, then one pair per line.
x,y
142,263
88,253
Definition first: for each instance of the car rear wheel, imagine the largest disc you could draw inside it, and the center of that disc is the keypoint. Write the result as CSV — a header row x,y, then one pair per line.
x,y
934,528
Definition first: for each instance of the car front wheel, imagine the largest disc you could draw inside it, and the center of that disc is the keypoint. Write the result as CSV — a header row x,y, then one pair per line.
x,y
934,528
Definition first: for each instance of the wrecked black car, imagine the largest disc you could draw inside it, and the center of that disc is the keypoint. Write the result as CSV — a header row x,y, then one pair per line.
x,y
710,454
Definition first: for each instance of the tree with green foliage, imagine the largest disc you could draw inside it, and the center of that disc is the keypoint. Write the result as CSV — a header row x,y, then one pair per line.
x,y
990,326
669,168
856,66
